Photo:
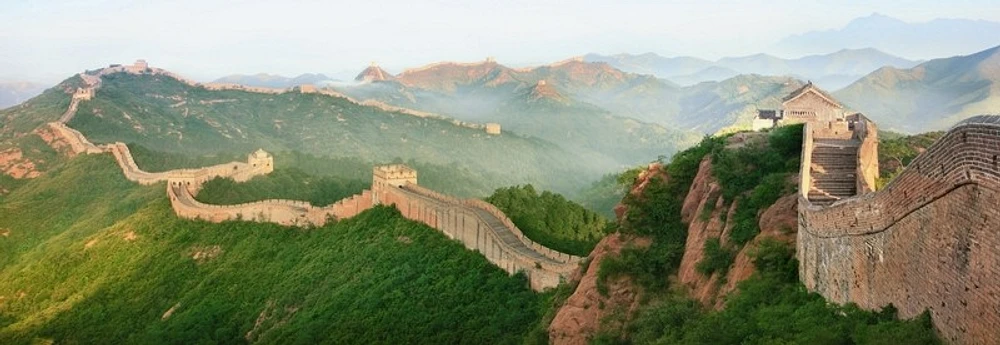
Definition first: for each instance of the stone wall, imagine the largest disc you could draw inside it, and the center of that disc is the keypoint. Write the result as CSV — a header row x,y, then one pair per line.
x,y
866,131
278,211
483,227
928,241
475,223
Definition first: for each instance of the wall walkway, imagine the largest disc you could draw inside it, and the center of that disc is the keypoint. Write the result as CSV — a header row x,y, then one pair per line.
x,y
475,223
481,226
928,241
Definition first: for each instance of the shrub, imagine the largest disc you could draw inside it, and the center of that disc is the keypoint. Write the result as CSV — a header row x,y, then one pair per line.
x,y
717,258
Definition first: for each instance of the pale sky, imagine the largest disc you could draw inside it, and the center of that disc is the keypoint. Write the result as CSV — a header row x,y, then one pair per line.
x,y
50,40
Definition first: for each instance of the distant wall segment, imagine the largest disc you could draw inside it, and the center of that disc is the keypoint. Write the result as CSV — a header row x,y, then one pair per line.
x,y
928,241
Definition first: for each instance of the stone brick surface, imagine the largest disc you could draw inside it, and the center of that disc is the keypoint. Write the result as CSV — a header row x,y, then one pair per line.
x,y
928,241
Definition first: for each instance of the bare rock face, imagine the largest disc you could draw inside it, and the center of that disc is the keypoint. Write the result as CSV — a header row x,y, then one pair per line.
x,y
702,210
780,222
581,315
654,170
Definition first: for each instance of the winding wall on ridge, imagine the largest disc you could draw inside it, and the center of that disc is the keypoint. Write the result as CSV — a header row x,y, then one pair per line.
x,y
483,227
928,241
478,225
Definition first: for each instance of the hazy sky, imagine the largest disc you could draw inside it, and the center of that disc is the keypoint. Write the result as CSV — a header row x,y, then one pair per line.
x,y
50,40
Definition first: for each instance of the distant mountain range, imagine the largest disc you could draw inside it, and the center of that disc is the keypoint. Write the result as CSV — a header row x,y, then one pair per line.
x,y
642,104
13,93
939,37
275,81
930,96
832,71
490,91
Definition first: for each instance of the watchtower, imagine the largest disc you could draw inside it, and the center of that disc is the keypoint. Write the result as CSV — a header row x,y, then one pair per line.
x,y
493,128
261,161
390,176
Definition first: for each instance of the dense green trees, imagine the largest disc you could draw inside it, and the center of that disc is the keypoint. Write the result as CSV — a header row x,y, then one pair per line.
x,y
98,259
292,183
164,114
550,219
772,307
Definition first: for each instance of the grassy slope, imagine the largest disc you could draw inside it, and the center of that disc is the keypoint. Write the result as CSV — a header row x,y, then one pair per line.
x,y
17,124
47,107
92,258
145,110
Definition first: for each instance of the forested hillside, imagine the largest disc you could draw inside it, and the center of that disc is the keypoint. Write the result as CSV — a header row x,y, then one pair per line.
x,y
88,257
163,114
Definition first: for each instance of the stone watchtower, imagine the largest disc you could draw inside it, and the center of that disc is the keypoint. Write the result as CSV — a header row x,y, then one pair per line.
x,y
390,176
261,161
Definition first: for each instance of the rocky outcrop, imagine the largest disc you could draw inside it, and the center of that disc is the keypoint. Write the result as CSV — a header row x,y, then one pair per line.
x,y
778,222
582,313
703,210
653,171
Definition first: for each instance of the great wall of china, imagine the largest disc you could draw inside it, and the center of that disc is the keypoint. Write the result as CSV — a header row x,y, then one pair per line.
x,y
476,224
927,241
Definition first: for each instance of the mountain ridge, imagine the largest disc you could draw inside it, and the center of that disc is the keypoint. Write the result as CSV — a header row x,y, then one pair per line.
x,y
929,96
937,37
831,69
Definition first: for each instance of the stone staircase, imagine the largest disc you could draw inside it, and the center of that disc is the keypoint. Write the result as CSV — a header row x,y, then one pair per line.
x,y
834,170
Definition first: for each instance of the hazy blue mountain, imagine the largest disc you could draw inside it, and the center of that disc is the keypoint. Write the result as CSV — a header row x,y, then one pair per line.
x,y
276,81
711,73
832,71
651,63
935,38
13,93
592,92
930,96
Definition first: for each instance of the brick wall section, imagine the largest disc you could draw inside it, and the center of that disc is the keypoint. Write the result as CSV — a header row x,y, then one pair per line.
x,y
475,223
866,131
483,227
928,241
279,211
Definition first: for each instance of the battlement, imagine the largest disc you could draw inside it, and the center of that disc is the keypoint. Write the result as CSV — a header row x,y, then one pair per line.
x,y
924,242
395,174
493,128
83,94
308,88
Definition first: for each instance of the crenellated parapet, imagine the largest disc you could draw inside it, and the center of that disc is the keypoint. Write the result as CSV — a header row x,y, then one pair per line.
x,y
477,224
482,227
927,241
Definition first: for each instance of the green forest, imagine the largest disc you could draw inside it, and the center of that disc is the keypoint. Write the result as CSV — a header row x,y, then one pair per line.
x,y
163,114
93,258
551,220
